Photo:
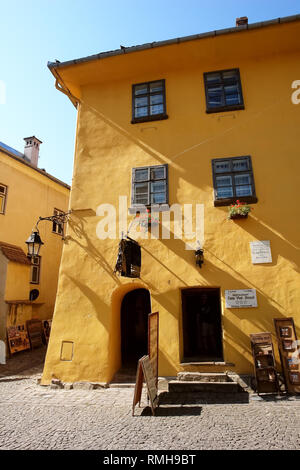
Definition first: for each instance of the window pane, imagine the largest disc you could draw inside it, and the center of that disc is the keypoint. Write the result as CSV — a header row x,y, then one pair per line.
x,y
232,95
243,190
141,175
141,193
142,101
141,199
141,89
221,167
223,181
2,189
224,192
240,164
158,198
215,96
158,187
156,86
230,75
157,173
156,99
157,109
2,204
34,274
213,78
242,179
139,112
141,188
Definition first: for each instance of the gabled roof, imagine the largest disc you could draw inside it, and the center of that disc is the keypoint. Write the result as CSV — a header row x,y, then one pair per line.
x,y
11,150
20,157
14,253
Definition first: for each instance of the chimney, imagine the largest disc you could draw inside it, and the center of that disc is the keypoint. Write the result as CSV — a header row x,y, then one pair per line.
x,y
242,21
31,149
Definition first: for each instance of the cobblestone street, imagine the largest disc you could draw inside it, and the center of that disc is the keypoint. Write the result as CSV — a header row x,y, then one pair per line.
x,y
36,417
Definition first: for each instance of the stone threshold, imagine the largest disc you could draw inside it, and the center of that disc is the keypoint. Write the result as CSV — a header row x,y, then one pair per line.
x,y
210,363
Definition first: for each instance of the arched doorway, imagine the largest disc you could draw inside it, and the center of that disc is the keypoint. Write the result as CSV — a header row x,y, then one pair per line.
x,y
136,306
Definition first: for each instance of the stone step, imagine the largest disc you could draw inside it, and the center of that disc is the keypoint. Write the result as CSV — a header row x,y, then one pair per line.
x,y
203,377
184,386
205,398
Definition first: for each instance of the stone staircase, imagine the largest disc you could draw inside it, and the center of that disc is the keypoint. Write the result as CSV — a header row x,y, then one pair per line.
x,y
199,387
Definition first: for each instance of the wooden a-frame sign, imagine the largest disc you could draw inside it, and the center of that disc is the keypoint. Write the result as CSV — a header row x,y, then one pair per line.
x,y
148,366
145,372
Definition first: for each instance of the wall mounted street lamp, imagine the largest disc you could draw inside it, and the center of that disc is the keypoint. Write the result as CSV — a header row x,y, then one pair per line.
x,y
34,244
34,241
199,257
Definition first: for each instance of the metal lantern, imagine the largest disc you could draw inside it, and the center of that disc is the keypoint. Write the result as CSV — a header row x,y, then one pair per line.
x,y
34,244
199,257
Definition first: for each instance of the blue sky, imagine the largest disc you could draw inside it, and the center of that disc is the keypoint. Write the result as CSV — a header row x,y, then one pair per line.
x,y
33,32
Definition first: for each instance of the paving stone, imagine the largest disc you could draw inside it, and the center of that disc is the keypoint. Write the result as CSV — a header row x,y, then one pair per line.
x,y
96,419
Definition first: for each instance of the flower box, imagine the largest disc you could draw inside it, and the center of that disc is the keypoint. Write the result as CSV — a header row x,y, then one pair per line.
x,y
238,216
239,210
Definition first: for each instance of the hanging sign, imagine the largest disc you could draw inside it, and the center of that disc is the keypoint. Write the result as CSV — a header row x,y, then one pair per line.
x,y
243,298
261,252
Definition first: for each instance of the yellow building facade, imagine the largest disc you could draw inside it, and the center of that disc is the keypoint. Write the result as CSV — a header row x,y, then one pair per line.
x,y
27,193
199,122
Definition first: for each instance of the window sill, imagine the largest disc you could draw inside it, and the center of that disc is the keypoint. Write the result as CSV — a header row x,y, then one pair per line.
x,y
225,109
155,208
229,201
157,117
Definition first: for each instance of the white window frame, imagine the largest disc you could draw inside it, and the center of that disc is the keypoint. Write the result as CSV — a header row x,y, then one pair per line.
x,y
148,181
58,229
35,266
3,198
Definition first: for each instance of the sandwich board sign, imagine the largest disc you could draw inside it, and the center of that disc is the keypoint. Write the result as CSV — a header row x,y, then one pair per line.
x,y
145,372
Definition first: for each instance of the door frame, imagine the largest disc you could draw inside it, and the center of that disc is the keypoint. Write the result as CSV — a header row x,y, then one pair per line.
x,y
183,313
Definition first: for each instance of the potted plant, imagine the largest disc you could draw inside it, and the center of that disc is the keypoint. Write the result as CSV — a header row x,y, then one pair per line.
x,y
146,219
239,210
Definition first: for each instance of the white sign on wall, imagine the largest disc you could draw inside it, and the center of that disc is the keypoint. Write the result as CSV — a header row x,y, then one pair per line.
x,y
261,252
243,298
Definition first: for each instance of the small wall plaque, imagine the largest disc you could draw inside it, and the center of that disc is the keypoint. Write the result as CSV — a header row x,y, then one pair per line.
x,y
261,252
243,298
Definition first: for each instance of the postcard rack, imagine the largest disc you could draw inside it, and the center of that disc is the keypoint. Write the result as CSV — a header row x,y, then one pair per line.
x,y
264,363
289,351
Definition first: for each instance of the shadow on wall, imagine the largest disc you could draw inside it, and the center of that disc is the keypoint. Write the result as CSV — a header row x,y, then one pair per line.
x,y
77,225
183,154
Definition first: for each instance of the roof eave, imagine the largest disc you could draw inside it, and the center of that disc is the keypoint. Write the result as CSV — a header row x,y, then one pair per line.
x,y
53,66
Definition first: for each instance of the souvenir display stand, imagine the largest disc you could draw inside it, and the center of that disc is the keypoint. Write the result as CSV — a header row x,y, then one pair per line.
x,y
264,363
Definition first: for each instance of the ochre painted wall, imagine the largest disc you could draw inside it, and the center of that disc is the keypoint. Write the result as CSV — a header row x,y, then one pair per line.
x,y
108,146
31,194
17,285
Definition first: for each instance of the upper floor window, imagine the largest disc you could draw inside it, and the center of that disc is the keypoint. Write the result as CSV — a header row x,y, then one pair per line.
x,y
150,185
223,91
56,227
35,270
148,101
3,195
233,179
